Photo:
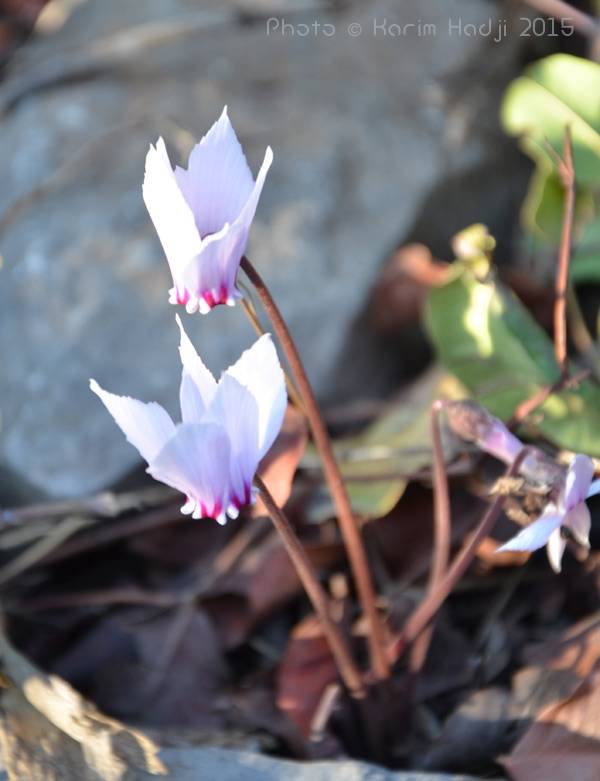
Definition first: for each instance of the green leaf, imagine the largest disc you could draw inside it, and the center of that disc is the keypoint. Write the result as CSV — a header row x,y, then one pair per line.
x,y
554,93
585,262
485,336
544,204
378,463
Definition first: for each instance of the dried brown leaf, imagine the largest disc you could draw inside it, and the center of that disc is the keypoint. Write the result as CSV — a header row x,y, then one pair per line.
x,y
399,295
564,741
307,668
278,467
169,675
561,688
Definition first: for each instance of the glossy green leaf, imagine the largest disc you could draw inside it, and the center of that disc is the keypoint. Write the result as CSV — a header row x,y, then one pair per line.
x,y
543,206
554,93
585,261
485,336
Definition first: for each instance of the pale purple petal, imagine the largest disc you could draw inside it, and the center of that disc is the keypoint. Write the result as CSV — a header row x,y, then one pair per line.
x,y
579,523
195,461
594,489
220,190
198,386
555,549
171,215
211,275
147,426
537,534
247,214
500,443
192,408
579,477
235,408
218,181
259,370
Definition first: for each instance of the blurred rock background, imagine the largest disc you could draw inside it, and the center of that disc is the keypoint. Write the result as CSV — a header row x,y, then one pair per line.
x,y
378,138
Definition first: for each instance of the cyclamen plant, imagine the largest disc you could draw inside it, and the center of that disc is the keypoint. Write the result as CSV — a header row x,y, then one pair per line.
x,y
203,216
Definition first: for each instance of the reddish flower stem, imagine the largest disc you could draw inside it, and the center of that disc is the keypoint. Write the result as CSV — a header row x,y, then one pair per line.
x,y
426,610
567,177
442,524
566,172
530,405
442,518
348,525
349,673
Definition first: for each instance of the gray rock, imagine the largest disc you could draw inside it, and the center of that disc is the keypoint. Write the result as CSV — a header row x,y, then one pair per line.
x,y
226,765
48,732
358,129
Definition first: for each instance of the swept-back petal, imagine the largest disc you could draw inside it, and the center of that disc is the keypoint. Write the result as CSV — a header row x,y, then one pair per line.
x,y
537,534
218,181
195,461
147,427
258,369
171,215
198,386
593,489
555,549
235,408
579,523
247,213
579,477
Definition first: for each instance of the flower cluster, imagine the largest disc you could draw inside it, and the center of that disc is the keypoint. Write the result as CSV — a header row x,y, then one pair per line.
x,y
202,216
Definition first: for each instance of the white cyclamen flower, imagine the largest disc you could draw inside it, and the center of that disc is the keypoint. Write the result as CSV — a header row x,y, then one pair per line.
x,y
569,516
203,214
227,427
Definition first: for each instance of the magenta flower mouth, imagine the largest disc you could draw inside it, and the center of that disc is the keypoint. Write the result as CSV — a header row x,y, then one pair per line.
x,y
199,509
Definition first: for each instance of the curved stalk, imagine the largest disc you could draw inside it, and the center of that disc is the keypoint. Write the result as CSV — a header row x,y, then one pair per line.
x,y
349,528
349,673
426,610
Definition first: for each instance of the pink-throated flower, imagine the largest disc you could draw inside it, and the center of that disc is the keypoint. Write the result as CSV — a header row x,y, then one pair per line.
x,y
203,215
227,427
568,516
